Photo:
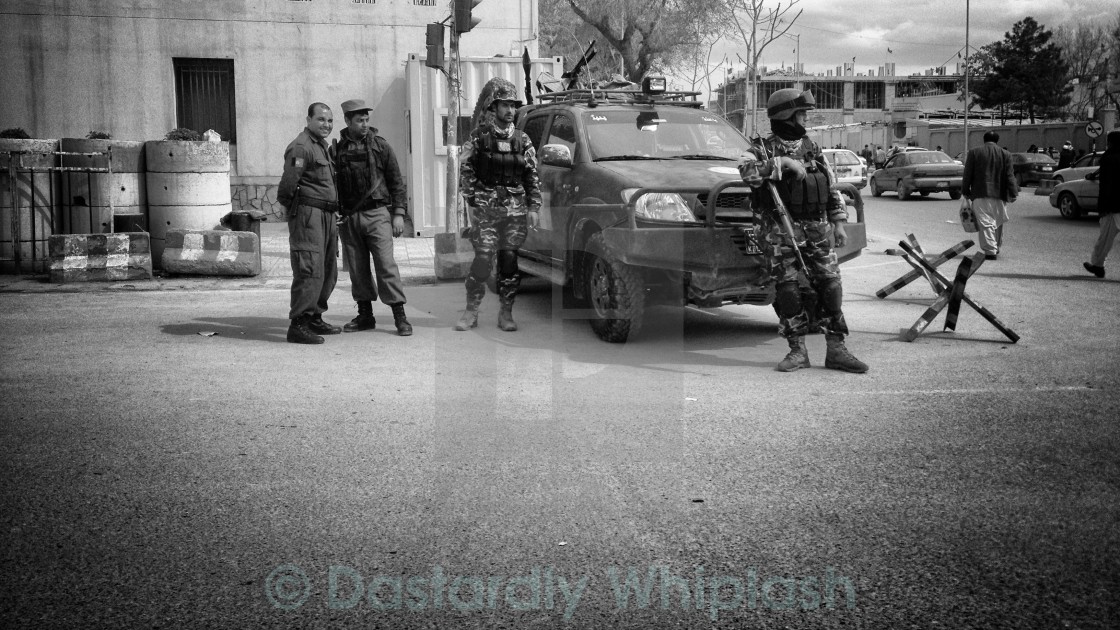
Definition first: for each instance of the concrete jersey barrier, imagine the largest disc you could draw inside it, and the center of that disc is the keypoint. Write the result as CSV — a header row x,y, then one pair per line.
x,y
211,253
100,257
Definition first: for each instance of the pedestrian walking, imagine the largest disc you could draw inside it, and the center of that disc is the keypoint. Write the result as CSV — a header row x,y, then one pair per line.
x,y
369,184
989,182
1065,156
498,177
307,190
794,165
880,156
868,155
1108,203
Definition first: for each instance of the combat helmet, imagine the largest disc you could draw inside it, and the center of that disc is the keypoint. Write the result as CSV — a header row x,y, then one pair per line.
x,y
496,89
782,104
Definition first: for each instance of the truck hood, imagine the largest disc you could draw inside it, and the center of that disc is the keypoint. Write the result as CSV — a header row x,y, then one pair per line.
x,y
669,173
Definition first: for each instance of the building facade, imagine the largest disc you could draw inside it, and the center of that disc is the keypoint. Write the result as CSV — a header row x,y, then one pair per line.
x,y
248,69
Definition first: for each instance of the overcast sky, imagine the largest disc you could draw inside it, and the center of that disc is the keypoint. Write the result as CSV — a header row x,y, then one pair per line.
x,y
920,34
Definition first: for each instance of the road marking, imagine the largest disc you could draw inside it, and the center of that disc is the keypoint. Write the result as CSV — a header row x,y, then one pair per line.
x,y
982,390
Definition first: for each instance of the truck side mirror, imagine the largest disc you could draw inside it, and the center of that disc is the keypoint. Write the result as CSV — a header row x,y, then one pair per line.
x,y
556,155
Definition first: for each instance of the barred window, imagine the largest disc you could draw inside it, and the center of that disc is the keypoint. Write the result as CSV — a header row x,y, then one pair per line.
x,y
871,95
204,96
828,94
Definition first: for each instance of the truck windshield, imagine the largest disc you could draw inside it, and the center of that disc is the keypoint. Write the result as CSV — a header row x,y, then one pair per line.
x,y
664,133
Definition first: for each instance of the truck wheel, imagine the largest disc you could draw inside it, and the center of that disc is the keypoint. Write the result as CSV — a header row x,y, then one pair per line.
x,y
615,294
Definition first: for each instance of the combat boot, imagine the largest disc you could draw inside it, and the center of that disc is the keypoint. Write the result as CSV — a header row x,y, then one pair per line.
x,y
505,316
468,320
798,356
365,319
404,329
839,358
299,333
475,292
320,327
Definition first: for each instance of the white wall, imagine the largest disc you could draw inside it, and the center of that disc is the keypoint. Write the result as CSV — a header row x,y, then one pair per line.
x,y
72,66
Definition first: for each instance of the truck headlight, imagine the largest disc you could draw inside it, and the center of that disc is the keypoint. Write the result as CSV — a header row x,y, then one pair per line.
x,y
663,206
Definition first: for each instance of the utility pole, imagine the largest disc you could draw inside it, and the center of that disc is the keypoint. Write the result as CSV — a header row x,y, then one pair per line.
x,y
966,11
451,218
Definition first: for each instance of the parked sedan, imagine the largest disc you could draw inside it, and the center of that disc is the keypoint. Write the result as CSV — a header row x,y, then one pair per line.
x,y
1077,197
1032,168
1083,166
848,166
923,172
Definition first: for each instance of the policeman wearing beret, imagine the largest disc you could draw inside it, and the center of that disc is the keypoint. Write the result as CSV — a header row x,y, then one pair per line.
x,y
307,190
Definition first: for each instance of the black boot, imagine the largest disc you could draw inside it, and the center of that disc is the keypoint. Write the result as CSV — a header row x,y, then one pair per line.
x,y
838,357
318,326
404,329
365,319
797,358
299,333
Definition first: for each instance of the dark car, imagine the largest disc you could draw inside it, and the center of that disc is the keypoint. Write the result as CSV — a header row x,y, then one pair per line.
x,y
1032,168
923,172
643,204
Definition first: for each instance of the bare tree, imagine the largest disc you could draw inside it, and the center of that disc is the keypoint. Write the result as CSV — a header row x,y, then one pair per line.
x,y
1086,48
757,26
648,35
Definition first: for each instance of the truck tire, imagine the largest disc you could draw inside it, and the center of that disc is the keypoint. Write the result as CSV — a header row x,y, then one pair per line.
x,y
615,294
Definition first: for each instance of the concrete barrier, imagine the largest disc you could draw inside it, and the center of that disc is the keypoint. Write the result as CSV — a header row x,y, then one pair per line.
x,y
211,253
100,257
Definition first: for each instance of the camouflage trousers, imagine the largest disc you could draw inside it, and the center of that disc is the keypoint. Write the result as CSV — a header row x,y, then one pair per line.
x,y
495,237
808,303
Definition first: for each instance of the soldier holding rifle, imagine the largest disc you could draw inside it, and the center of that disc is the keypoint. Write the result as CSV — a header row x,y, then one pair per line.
x,y
799,213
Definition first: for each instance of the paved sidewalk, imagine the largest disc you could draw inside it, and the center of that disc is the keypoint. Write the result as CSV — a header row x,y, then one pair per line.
x,y
415,258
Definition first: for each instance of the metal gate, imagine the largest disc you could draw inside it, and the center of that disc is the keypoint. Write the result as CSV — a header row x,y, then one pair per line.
x,y
32,206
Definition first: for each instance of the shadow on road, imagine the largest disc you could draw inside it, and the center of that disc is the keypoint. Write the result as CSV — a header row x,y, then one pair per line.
x,y
271,329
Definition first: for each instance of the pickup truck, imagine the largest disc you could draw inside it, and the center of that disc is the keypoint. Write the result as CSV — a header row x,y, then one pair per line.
x,y
643,204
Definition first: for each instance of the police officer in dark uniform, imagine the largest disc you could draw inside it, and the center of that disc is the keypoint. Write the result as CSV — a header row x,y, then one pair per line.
x,y
803,179
369,183
498,176
307,190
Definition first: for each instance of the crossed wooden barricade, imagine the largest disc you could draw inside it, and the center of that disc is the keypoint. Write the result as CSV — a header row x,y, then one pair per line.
x,y
949,294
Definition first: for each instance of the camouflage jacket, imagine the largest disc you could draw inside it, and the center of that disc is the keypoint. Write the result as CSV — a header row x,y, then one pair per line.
x,y
512,200
762,162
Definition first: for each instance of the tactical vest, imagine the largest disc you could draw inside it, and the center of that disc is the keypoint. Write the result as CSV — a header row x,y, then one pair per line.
x,y
354,173
499,161
807,199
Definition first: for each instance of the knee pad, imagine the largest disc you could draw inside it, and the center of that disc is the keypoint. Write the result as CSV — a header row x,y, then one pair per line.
x,y
787,299
507,263
832,295
480,268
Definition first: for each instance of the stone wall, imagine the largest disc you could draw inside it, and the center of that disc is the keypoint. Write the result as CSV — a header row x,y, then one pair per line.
x,y
249,197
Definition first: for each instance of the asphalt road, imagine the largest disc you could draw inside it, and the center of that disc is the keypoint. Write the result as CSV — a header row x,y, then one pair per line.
x,y
157,477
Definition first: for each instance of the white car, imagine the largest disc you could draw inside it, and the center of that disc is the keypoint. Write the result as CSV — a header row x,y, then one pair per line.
x,y
1078,170
849,167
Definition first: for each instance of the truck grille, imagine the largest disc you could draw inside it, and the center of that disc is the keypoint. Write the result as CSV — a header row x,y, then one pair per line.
x,y
732,207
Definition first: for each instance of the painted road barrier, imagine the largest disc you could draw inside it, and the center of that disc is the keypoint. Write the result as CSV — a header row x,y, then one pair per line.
x,y
949,294
100,257
211,253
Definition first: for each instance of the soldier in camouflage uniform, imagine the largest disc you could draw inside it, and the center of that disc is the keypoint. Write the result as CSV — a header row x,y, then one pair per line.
x,y
803,179
498,177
